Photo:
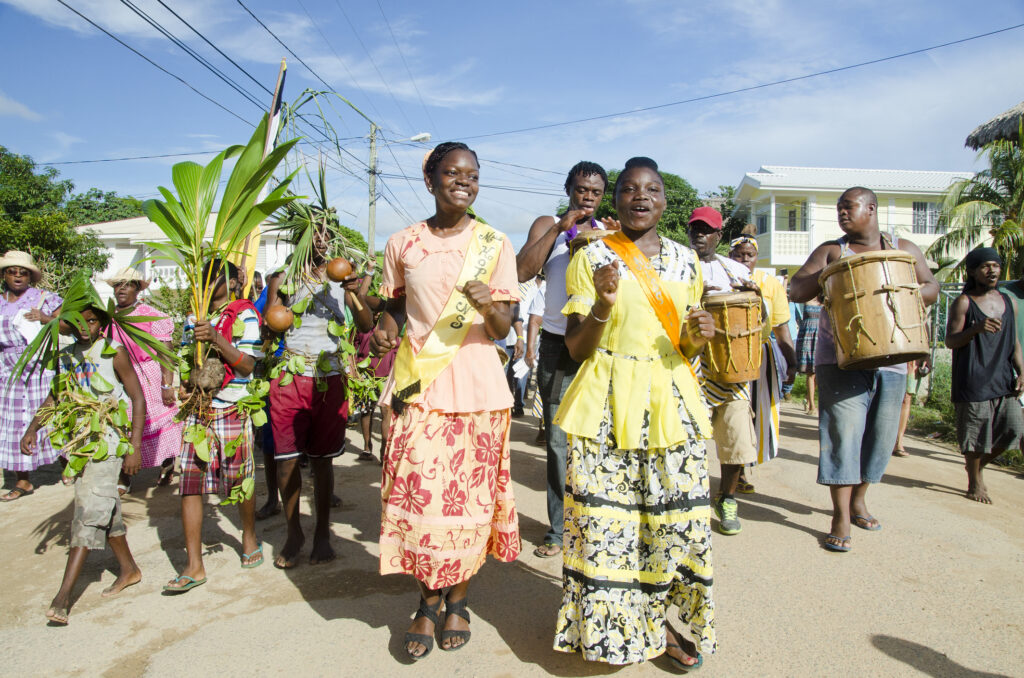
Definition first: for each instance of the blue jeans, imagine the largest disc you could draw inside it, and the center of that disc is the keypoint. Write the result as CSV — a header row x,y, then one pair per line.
x,y
555,371
517,386
858,424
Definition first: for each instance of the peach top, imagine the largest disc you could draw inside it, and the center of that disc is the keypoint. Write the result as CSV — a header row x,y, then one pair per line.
x,y
424,268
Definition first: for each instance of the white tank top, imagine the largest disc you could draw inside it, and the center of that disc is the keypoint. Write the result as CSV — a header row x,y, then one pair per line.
x,y
555,296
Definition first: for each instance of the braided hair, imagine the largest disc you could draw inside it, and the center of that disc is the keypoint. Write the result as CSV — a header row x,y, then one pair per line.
x,y
443,149
582,169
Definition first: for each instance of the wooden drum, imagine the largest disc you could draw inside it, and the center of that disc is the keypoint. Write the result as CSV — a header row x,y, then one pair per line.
x,y
733,356
875,307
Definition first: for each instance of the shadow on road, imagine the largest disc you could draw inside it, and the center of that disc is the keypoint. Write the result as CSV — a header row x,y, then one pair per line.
x,y
926,660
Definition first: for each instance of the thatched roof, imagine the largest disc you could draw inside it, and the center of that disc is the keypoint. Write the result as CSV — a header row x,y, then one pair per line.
x,y
1003,126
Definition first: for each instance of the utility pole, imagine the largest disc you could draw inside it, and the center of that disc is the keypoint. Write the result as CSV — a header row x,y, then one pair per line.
x,y
372,215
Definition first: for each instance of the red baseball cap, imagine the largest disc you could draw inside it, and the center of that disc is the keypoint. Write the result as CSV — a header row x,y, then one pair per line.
x,y
709,215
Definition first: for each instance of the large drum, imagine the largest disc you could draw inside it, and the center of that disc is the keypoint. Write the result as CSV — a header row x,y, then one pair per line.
x,y
874,304
733,356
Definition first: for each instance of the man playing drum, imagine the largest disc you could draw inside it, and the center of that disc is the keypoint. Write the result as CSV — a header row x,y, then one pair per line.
x,y
859,408
732,421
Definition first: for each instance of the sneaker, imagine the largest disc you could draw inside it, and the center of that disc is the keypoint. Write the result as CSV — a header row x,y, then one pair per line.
x,y
726,509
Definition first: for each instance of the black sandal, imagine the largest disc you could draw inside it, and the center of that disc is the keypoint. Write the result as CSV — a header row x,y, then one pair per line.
x,y
423,639
457,607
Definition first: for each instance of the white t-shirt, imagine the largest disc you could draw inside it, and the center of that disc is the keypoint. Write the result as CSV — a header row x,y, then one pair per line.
x,y
554,275
721,273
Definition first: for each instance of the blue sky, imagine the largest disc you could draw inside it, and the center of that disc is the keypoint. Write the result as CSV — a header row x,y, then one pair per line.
x,y
460,70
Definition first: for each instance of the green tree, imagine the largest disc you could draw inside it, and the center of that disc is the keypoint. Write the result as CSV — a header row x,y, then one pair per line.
x,y
23,190
987,208
682,199
734,217
96,207
59,248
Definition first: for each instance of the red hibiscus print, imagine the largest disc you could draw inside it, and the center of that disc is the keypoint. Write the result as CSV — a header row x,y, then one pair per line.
x,y
507,547
454,500
418,565
453,426
449,574
503,481
408,495
425,541
488,449
477,477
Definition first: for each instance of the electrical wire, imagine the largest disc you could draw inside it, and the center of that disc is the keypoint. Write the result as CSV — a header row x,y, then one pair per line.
x,y
406,64
749,88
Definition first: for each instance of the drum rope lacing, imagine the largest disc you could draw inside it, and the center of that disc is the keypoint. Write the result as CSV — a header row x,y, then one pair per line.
x,y
858,315
730,335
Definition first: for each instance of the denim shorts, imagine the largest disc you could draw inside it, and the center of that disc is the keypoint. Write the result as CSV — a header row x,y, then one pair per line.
x,y
858,423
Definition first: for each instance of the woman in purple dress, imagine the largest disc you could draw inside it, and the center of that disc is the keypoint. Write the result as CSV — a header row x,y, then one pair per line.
x,y
24,309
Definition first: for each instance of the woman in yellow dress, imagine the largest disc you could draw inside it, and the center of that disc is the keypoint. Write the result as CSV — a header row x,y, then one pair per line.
x,y
637,512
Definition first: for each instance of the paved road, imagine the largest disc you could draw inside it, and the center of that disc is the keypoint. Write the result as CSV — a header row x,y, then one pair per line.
x,y
939,591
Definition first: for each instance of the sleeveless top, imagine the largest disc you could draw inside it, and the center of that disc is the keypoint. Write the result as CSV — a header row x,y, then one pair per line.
x,y
311,338
983,369
555,296
825,348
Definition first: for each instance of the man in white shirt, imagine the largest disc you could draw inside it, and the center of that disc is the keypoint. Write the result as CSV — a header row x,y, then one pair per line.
x,y
547,249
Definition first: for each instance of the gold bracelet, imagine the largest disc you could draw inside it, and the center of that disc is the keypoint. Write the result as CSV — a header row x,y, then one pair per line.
x,y
599,319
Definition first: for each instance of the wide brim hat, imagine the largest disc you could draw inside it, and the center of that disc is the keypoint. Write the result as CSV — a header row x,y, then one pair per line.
x,y
22,259
127,275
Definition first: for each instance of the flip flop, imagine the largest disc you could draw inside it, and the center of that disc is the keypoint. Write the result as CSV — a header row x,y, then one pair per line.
x,y
247,556
843,546
544,550
864,523
18,493
56,617
366,456
192,583
900,453
680,665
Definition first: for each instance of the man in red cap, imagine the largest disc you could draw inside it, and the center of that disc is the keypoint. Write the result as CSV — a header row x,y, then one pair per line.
x,y
732,422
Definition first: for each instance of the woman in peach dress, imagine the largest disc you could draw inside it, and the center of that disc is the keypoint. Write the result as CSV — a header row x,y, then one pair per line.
x,y
446,491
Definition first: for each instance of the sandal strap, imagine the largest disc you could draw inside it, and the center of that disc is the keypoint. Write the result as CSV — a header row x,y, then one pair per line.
x,y
428,611
457,607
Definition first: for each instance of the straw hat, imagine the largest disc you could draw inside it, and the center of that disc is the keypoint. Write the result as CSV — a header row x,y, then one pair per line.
x,y
127,275
22,259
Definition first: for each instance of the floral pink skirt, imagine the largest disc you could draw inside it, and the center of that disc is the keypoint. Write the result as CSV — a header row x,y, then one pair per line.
x,y
161,438
447,496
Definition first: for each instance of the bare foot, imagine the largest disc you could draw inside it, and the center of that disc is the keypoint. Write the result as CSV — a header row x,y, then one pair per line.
x,y
123,581
322,551
979,493
289,554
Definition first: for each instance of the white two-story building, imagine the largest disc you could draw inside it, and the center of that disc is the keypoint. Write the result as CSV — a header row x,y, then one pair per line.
x,y
794,208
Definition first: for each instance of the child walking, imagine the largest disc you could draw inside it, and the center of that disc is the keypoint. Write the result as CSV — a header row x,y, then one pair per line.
x,y
99,370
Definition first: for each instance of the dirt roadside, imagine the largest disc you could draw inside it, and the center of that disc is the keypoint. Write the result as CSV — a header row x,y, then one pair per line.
x,y
936,592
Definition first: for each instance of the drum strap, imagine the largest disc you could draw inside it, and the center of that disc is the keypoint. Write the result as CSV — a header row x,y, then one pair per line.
x,y
650,282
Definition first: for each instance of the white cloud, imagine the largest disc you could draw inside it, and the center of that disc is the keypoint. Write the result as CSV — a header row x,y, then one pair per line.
x,y
9,106
62,143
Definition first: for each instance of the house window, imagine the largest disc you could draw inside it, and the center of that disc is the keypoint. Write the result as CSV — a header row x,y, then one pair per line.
x,y
792,220
762,223
926,218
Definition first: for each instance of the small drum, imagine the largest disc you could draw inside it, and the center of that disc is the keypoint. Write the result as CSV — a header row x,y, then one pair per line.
x,y
875,307
733,356
585,237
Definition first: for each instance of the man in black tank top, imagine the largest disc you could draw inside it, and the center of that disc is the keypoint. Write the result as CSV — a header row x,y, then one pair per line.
x,y
988,372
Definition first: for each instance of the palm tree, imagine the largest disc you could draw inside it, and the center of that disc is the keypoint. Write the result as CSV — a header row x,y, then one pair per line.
x,y
987,209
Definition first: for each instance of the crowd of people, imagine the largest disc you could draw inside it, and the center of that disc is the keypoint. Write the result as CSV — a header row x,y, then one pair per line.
x,y
611,317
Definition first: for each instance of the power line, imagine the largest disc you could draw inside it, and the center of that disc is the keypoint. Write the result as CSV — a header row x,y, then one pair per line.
x,y
406,64
134,157
192,53
749,88
373,62
153,63
281,42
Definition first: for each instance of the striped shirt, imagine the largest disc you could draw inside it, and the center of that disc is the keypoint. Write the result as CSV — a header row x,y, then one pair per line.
x,y
248,343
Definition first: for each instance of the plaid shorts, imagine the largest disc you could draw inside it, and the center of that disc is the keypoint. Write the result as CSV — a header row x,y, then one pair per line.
x,y
222,472
97,505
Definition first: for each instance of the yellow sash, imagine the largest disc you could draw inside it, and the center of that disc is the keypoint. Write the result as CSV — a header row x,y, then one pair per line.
x,y
414,373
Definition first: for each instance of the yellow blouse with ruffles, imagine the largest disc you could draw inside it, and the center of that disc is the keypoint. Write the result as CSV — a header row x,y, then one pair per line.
x,y
635,365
